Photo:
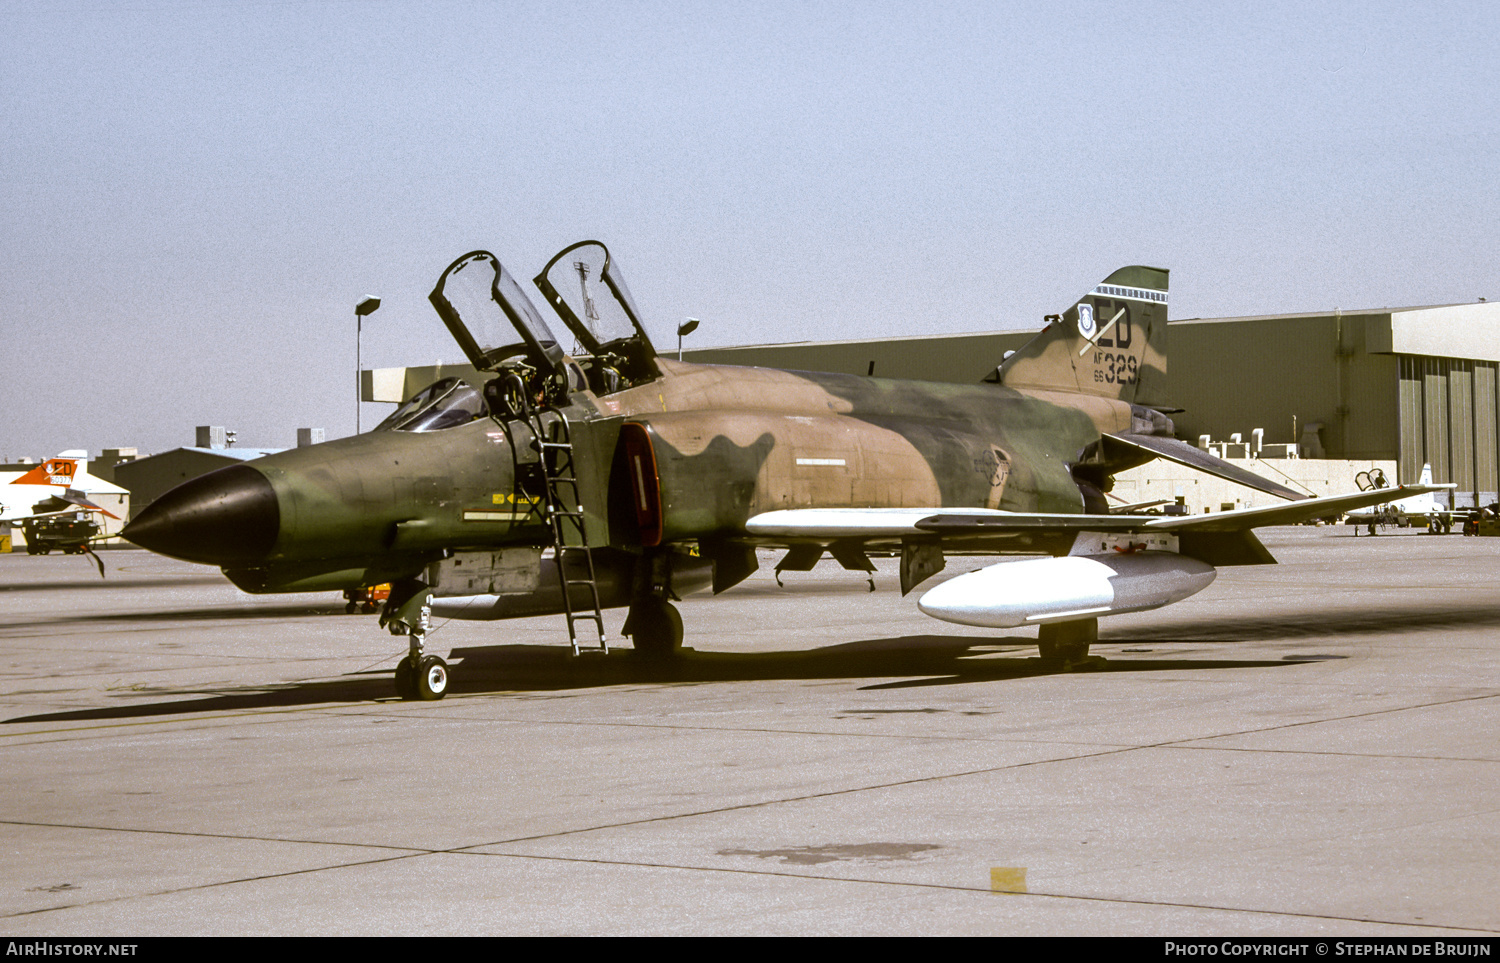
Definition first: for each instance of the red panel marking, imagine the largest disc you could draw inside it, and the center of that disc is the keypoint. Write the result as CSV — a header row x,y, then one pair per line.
x,y
645,484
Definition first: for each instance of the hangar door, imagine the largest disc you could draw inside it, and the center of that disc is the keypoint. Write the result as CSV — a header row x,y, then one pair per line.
x,y
1448,420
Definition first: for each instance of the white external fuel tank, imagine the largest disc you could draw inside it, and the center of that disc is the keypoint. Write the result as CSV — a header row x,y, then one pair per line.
x,y
1040,590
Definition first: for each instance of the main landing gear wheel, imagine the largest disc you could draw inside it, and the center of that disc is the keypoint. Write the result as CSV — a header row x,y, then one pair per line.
x,y
655,628
1066,644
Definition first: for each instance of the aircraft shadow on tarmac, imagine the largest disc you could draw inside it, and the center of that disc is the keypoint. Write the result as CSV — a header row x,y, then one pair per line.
x,y
116,583
221,613
1319,623
908,661
933,659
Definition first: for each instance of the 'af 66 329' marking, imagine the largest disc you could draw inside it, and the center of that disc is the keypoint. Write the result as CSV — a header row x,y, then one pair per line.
x,y
1114,369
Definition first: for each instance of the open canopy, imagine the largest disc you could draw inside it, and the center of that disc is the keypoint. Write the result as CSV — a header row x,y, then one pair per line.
x,y
586,289
485,309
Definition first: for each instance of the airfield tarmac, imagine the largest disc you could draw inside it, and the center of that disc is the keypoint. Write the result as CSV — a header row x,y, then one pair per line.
x,y
1302,749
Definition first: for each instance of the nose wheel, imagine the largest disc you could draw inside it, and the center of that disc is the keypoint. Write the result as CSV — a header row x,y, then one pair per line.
x,y
424,679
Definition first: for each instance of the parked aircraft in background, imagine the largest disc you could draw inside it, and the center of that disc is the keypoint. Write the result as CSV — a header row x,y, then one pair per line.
x,y
612,476
45,490
1420,510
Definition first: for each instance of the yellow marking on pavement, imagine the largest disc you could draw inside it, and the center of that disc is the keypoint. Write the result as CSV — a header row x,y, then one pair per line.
x,y
1007,879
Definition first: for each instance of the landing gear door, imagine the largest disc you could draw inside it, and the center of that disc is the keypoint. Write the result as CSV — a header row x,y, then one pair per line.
x,y
585,287
485,309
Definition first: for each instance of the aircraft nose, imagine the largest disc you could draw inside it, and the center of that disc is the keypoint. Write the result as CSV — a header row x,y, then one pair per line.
x,y
227,517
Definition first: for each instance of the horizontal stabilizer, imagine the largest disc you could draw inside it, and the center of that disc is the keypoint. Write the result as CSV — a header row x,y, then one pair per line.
x,y
1185,454
61,503
76,497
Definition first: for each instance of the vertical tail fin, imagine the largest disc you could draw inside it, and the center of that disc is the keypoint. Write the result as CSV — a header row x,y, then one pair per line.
x,y
1422,504
1112,343
53,471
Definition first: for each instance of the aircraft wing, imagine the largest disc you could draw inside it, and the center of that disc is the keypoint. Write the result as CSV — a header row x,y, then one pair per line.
x,y
1221,538
813,524
1244,519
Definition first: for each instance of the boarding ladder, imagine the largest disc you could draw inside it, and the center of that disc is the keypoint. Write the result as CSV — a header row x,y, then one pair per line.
x,y
563,503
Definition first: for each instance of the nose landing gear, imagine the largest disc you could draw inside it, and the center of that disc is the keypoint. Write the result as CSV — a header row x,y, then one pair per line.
x,y
408,612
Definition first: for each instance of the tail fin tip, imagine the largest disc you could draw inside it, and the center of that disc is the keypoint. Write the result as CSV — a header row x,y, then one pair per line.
x,y
1110,343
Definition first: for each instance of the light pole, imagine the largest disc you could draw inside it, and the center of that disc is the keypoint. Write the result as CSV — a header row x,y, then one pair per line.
x,y
685,328
361,310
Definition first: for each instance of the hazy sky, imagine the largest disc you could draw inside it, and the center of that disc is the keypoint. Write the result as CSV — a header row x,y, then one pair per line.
x,y
194,195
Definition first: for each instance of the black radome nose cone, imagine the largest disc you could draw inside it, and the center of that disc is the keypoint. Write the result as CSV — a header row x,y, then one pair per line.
x,y
227,517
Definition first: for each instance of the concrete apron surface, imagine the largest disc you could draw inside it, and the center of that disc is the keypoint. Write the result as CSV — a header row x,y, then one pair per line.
x,y
1303,749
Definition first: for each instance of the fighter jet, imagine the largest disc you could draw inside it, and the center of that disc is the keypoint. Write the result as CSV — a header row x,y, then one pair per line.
x,y
606,476
45,490
1418,510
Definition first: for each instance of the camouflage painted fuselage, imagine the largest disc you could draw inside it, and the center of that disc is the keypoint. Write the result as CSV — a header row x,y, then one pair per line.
x,y
735,442
729,443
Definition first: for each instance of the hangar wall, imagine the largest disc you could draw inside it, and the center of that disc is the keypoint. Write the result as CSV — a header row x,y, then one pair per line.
x,y
1413,385
1448,418
1309,380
